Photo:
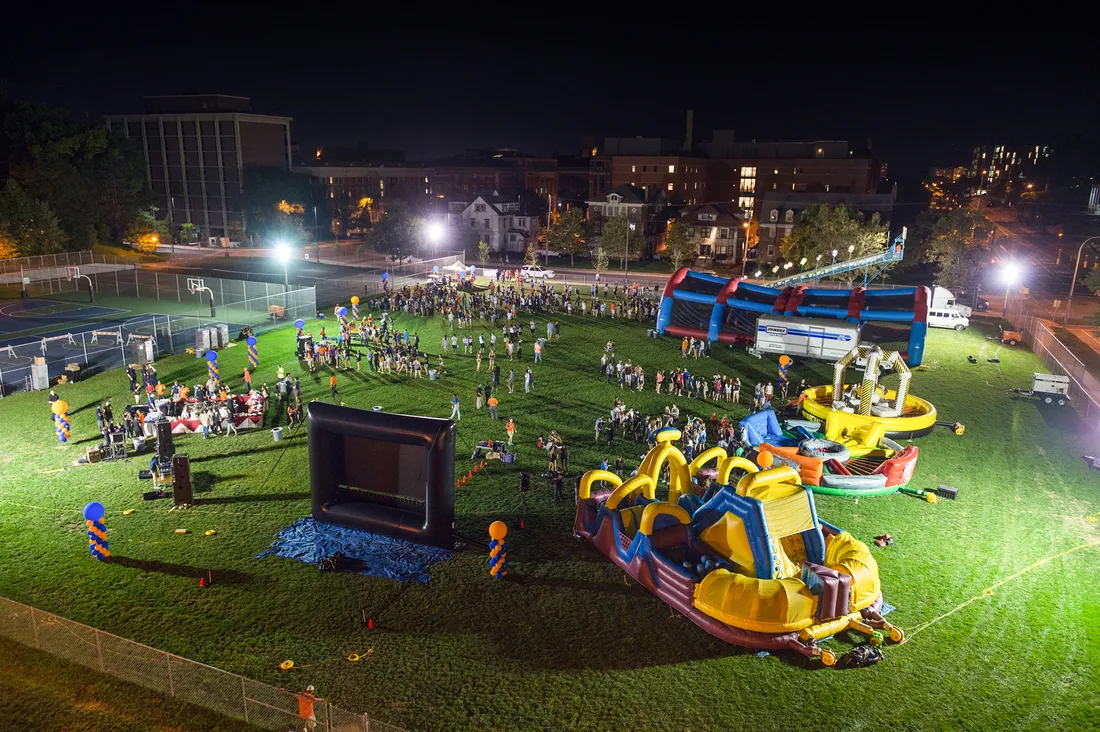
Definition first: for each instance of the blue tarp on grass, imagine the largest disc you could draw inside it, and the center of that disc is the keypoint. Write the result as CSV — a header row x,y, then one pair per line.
x,y
380,556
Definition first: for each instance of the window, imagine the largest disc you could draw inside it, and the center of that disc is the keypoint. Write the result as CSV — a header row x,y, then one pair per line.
x,y
479,207
819,153
691,232
745,202
696,185
826,187
748,185
788,216
776,171
773,215
672,168
473,223
521,222
643,168
487,224
633,168
670,186
724,234
748,172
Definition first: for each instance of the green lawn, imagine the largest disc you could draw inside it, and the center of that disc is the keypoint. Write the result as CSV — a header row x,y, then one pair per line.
x,y
563,643
41,692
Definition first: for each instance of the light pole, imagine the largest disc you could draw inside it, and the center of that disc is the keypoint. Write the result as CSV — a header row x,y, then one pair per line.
x,y
801,263
851,248
282,254
1073,283
834,256
1010,275
434,230
745,248
626,257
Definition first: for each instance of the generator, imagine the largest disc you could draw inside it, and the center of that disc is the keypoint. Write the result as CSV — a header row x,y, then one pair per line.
x,y
1050,388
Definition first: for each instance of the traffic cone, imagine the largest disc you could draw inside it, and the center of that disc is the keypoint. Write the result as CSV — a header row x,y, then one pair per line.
x,y
370,623
477,468
202,582
522,525
483,463
469,474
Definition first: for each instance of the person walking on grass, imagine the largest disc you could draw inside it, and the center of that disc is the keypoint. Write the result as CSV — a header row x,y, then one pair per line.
x,y
510,428
456,414
528,381
332,385
538,352
247,380
511,381
493,408
479,396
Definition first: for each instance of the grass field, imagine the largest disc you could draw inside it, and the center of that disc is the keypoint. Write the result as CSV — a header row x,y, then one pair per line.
x,y
564,643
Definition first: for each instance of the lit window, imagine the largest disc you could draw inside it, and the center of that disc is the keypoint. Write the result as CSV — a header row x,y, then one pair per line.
x,y
672,168
425,179
748,172
773,215
748,185
776,171
633,168
826,187
745,202
670,186
788,216
696,185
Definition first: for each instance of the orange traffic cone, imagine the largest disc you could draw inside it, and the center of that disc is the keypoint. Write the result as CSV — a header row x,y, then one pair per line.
x,y
477,468
202,582
521,524
483,463
370,623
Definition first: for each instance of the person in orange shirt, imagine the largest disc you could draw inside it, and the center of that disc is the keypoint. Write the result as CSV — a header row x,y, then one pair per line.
x,y
332,385
493,406
160,390
684,348
510,428
306,710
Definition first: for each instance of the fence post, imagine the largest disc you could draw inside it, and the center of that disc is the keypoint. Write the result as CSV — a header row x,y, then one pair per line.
x,y
99,652
179,298
121,345
156,283
244,700
221,290
137,286
117,290
171,346
366,723
171,680
84,342
34,626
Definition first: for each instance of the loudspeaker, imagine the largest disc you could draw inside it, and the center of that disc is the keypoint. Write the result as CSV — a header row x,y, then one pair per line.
x,y
524,481
182,493
165,449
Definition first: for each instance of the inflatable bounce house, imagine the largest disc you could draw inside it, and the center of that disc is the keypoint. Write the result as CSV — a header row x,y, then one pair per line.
x,y
721,310
846,445
746,559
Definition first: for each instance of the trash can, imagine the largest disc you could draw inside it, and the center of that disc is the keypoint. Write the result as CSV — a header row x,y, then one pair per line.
x,y
649,332
139,444
432,373
277,434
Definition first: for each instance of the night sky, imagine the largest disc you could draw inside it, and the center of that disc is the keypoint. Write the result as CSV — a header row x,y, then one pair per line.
x,y
922,96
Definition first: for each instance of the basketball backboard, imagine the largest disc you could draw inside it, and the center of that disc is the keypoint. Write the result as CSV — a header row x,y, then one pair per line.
x,y
71,273
194,284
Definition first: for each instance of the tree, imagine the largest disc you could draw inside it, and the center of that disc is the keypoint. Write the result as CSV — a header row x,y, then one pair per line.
x,y
146,231
483,252
566,234
187,232
28,225
824,228
1093,280
957,242
396,231
615,232
678,246
274,202
531,256
600,261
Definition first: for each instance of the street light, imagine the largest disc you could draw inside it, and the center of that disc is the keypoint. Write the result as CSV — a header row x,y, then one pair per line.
x,y
745,248
851,248
801,263
435,232
1010,275
758,273
834,256
1073,283
282,254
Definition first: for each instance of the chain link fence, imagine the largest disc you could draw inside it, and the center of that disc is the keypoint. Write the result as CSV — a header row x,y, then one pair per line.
x,y
369,282
99,348
1084,388
260,705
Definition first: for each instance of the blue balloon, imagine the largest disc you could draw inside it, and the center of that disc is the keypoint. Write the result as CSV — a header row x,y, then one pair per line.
x,y
473,268
342,312
211,355
435,269
94,511
385,275
251,340
299,324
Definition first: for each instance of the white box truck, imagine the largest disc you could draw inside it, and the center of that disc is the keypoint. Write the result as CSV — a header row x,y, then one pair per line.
x,y
820,338
944,300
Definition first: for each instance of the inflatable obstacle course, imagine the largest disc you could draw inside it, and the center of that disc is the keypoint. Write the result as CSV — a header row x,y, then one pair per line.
x,y
747,560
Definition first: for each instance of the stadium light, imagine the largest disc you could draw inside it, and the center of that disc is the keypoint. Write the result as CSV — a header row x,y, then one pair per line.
x,y
435,232
282,254
1010,275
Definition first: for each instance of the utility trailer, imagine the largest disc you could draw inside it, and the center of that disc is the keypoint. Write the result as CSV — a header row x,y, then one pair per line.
x,y
1049,388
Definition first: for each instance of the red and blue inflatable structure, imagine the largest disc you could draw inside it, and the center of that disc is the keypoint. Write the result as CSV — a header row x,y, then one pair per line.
x,y
720,310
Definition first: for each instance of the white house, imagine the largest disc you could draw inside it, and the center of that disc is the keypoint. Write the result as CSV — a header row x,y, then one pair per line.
x,y
497,220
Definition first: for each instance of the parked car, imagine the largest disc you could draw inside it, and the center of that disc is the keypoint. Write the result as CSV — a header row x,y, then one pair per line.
x,y
536,272
547,253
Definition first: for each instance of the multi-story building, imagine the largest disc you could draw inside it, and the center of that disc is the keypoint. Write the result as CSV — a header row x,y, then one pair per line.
x,y
993,162
951,174
780,210
498,220
341,186
718,230
196,148
642,215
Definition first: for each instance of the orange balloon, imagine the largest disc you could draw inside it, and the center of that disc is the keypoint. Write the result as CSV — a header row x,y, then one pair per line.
x,y
60,407
498,530
765,459
784,360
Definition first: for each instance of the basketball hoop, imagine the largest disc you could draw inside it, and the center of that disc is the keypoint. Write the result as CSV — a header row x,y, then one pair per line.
x,y
194,284
71,273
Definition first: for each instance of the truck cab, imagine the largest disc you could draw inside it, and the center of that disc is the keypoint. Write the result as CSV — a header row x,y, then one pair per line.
x,y
944,300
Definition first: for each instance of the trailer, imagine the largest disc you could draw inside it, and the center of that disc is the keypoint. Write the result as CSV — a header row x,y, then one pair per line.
x,y
1050,388
821,338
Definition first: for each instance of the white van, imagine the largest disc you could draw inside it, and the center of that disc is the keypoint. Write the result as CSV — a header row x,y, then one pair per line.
x,y
943,299
947,319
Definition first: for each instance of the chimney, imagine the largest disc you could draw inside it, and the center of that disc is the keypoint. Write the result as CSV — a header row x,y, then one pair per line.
x,y
687,132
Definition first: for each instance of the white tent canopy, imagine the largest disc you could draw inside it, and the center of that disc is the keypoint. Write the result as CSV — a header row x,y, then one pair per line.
x,y
456,267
